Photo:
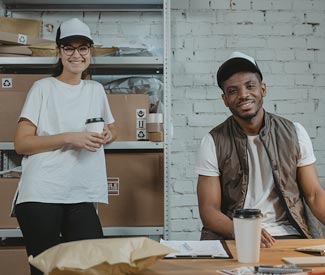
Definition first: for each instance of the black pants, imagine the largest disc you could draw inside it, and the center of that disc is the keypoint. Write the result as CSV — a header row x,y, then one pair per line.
x,y
47,224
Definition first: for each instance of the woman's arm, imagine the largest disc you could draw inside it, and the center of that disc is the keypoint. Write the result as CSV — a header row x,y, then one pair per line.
x,y
28,143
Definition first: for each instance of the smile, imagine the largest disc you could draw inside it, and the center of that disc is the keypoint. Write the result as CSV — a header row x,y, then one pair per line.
x,y
246,103
77,62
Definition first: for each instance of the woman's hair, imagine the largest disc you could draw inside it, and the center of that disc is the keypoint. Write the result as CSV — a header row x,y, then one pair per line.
x,y
58,66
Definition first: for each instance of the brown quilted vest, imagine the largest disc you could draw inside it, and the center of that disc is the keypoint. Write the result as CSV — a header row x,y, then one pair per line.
x,y
280,140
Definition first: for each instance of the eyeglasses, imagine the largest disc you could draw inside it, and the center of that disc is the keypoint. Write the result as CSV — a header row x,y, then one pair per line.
x,y
69,50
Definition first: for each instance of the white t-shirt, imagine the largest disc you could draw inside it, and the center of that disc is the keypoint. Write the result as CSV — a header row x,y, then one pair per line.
x,y
65,175
261,190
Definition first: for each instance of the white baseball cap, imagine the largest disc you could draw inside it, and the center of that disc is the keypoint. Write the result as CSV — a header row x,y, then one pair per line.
x,y
73,29
237,62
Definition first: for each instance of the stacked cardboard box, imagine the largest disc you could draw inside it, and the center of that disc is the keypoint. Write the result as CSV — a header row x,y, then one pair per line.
x,y
155,127
13,91
8,188
13,260
17,34
130,113
129,110
136,190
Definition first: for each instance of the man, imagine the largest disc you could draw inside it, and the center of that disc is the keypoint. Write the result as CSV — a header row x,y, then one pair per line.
x,y
255,159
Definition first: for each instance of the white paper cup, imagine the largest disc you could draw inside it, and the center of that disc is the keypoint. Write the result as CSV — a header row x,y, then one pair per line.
x,y
95,125
247,226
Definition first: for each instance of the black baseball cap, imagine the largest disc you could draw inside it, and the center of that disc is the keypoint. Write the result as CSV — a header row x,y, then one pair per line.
x,y
237,62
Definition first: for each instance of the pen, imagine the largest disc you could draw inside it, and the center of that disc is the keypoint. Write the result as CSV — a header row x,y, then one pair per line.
x,y
194,256
279,269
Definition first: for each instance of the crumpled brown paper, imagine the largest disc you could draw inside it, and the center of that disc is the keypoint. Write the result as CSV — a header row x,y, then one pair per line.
x,y
100,257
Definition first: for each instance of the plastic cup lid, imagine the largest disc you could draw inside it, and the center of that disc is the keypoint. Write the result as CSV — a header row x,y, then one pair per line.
x,y
245,213
95,119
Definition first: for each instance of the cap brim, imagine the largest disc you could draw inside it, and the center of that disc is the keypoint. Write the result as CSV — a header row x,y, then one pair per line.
x,y
69,39
233,66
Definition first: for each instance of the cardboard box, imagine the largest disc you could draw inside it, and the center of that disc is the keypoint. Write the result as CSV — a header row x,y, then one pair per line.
x,y
156,136
29,27
10,50
154,127
14,261
20,39
8,188
130,114
136,187
13,91
10,55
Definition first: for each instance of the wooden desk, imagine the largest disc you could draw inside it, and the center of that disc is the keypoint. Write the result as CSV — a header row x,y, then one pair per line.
x,y
269,256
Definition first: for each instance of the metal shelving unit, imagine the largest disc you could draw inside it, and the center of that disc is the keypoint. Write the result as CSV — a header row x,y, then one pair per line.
x,y
146,65
114,65
82,5
107,61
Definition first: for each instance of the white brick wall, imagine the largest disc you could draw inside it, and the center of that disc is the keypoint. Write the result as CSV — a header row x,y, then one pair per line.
x,y
286,37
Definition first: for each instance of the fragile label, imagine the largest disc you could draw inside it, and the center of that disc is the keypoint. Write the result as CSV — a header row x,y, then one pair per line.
x,y
113,185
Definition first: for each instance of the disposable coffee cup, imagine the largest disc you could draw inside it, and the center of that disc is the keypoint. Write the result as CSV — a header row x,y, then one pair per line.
x,y
247,226
95,124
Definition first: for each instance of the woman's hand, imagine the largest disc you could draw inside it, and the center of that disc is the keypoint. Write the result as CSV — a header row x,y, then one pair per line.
x,y
107,135
266,239
90,141
28,143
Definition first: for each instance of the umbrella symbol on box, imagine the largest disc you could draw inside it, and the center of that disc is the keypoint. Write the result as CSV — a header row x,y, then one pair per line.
x,y
141,113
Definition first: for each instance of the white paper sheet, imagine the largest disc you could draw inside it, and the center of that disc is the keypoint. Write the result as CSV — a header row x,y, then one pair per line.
x,y
200,249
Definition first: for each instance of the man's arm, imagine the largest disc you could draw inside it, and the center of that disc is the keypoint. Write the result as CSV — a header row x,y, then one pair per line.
x,y
314,194
209,198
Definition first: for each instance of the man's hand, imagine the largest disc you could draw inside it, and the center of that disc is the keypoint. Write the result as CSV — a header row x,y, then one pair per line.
x,y
267,240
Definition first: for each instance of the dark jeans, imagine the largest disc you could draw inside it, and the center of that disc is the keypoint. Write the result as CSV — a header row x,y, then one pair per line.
x,y
47,224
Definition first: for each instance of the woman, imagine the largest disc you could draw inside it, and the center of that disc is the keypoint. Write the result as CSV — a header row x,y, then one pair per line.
x,y
64,170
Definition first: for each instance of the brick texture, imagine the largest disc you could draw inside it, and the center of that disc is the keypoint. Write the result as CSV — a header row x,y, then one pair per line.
x,y
287,39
